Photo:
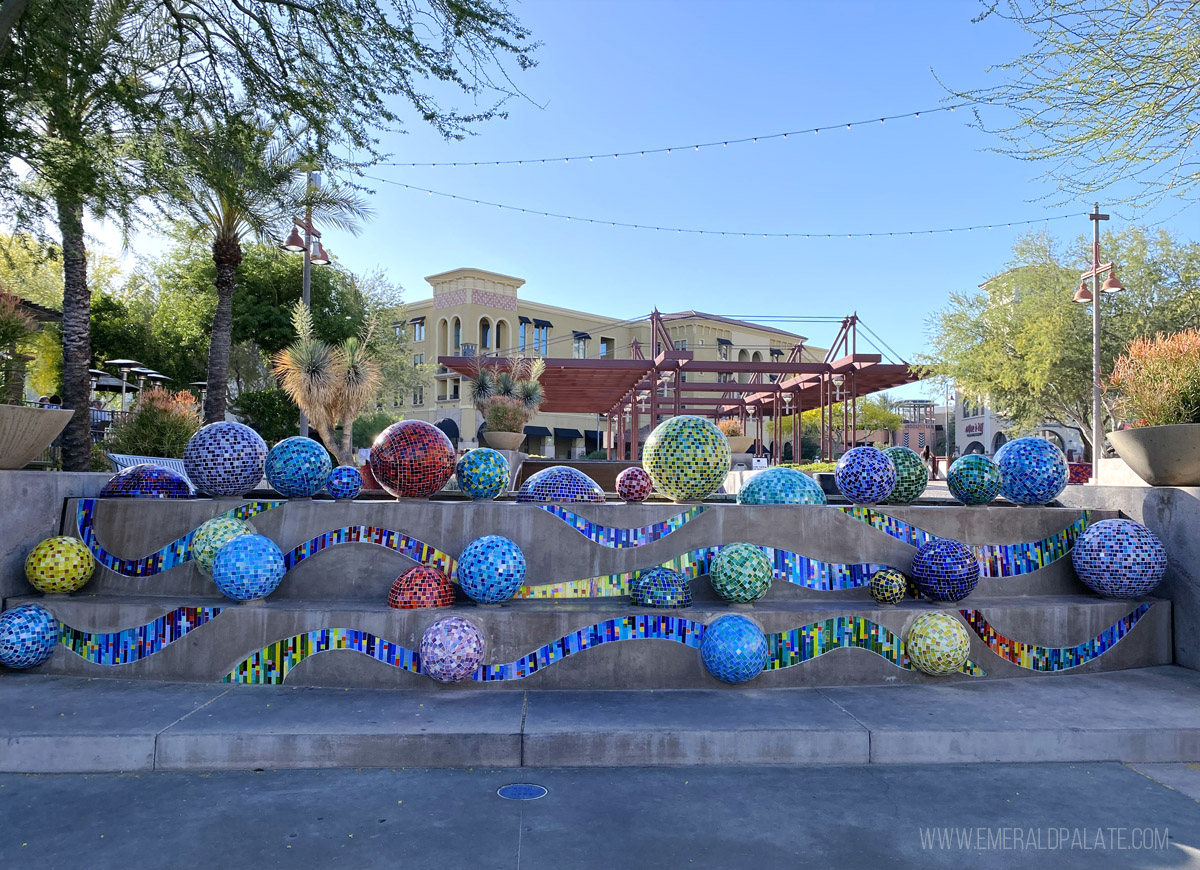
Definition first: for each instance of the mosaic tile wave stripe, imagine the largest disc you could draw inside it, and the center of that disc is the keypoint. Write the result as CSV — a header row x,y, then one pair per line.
x,y
621,538
175,553
1052,658
270,665
404,544
135,644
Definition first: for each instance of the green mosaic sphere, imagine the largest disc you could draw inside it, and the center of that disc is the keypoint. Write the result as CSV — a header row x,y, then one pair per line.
x,y
911,474
740,573
888,586
687,457
974,479
215,534
937,644
781,485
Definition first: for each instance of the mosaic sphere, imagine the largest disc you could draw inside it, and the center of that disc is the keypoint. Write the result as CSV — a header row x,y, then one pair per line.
x,y
482,473
1032,471
945,570
344,483
888,586
740,573
937,644
225,459
974,479
28,636
298,467
687,457
451,649
1119,559
634,484
147,480
213,535
865,475
779,485
560,483
734,649
491,569
660,587
248,567
912,476
412,459
421,586
58,566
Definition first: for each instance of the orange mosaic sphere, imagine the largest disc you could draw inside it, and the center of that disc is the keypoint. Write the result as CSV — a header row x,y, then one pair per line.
x,y
421,586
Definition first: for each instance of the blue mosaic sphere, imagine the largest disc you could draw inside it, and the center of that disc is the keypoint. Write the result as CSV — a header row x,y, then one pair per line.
x,y
974,479
248,567
661,588
28,636
147,480
214,534
483,473
1119,559
779,485
1032,471
734,649
865,475
560,483
687,457
225,459
491,569
344,483
298,467
945,570
911,474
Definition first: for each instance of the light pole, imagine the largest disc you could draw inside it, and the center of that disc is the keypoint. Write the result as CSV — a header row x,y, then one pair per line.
x,y
125,366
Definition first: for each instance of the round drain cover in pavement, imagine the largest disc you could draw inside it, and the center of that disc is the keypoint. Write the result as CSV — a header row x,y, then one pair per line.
x,y
521,791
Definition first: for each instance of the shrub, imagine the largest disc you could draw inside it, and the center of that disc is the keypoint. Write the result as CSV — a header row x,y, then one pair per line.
x,y
159,425
1158,379
732,428
812,467
270,413
368,426
506,415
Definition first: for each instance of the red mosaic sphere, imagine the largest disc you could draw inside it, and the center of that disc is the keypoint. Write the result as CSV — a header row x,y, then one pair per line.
x,y
634,484
421,586
412,459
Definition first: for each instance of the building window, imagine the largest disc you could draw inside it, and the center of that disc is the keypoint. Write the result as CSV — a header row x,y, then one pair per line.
x,y
579,348
541,339
457,335
681,344
418,395
418,330
454,388
418,359
724,352
723,377
607,348
522,338
485,335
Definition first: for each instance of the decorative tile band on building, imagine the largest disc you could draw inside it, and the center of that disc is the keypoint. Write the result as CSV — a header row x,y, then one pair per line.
x,y
621,538
175,553
403,544
270,665
1052,658
135,644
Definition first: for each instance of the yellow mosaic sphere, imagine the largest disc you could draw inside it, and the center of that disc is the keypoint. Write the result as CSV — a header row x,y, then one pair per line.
x,y
59,565
937,644
687,457
213,535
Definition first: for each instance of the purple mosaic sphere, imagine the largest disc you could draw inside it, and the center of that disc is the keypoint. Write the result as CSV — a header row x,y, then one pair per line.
x,y
147,481
560,483
945,570
1119,559
865,475
451,650
225,459
345,482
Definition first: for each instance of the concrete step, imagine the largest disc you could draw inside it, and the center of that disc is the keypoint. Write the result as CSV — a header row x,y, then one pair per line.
x,y
67,724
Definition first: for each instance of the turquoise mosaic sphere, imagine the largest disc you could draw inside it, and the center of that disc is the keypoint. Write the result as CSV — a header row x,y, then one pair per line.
x,y
661,588
491,569
482,473
28,636
213,535
779,485
1032,471
248,567
225,459
865,475
559,483
974,479
344,483
740,573
734,649
911,474
687,457
888,586
298,467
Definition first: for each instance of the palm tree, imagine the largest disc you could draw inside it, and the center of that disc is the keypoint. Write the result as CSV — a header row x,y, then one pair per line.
x,y
240,179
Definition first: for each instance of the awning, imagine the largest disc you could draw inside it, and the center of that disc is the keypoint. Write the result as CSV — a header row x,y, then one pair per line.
x,y
567,433
537,431
775,351
524,319
545,323
449,427
578,334
725,341
420,319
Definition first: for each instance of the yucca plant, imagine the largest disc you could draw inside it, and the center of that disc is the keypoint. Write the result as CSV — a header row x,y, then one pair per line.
x,y
518,390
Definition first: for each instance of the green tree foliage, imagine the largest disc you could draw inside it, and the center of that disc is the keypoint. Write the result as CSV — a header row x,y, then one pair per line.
x,y
271,413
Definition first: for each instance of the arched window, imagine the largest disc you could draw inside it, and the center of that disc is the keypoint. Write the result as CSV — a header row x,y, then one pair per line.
x,y
485,333
457,327
443,339
502,343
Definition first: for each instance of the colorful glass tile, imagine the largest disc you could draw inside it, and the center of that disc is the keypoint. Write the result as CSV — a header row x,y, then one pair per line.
x,y
1049,658
451,649
740,573
865,475
421,586
619,538
559,483
491,569
134,644
270,665
937,644
59,565
28,635
634,484
412,459
734,649
147,480
888,586
1033,471
687,457
660,588
225,459
779,485
403,544
482,473
945,570
974,479
344,483
248,567
912,476
298,467
1119,559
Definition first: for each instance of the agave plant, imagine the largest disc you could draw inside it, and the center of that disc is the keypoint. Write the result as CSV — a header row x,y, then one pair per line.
x,y
518,387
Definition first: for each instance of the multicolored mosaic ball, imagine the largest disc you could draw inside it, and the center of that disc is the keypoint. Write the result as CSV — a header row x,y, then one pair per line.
x,y
1119,559
412,459
945,570
451,649
248,567
344,483
937,644
1032,471
225,459
740,573
28,636
421,586
779,485
974,479
482,473
59,565
660,587
213,535
491,569
734,649
888,586
298,467
634,484
560,483
147,480
687,457
865,475
912,476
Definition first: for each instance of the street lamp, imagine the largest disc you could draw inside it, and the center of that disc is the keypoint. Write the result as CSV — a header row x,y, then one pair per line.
x,y
125,366
203,388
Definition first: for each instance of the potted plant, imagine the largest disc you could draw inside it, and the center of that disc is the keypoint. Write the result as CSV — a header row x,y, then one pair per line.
x,y
507,399
739,441
1157,381
24,431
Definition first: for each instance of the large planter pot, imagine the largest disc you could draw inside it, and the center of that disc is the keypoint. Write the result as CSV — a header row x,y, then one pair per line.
x,y
1161,455
740,443
503,440
26,432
